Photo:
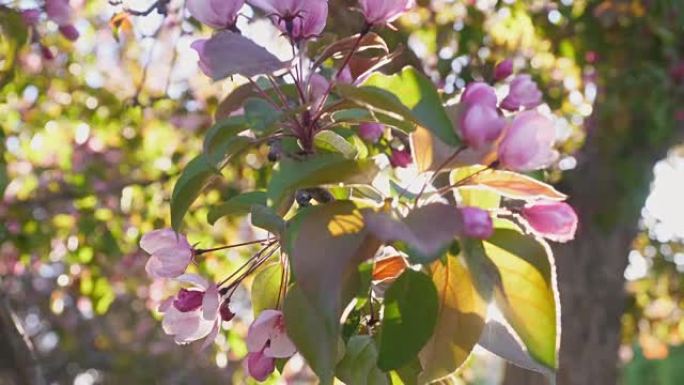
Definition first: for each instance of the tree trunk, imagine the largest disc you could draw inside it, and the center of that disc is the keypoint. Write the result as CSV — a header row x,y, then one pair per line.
x,y
18,363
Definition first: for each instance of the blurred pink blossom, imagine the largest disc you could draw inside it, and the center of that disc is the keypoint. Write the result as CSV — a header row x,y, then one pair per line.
x,y
217,14
523,93
378,12
266,341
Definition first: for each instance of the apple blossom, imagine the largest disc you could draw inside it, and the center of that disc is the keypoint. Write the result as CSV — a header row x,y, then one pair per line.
x,y
170,253
480,125
477,223
379,12
217,14
371,131
527,142
479,93
266,341
523,93
299,19
556,221
193,313
503,70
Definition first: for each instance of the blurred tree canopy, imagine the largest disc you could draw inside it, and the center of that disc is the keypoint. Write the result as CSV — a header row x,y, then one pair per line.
x,y
92,141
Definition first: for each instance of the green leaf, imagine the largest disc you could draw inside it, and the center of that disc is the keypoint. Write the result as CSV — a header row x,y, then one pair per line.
x,y
380,103
237,205
460,320
409,317
484,199
223,142
312,332
318,170
326,243
266,218
501,340
426,241
260,115
13,35
265,287
196,175
359,364
330,141
527,295
419,94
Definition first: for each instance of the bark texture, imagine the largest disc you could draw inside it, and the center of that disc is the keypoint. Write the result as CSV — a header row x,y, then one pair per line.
x,y
18,364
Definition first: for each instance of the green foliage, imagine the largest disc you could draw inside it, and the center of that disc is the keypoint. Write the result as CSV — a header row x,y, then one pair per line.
x,y
409,318
359,364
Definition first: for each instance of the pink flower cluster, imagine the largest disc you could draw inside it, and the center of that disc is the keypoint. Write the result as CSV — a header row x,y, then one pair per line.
x,y
523,141
195,312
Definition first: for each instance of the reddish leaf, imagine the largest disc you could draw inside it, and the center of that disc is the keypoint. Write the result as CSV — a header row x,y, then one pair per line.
x,y
389,268
514,185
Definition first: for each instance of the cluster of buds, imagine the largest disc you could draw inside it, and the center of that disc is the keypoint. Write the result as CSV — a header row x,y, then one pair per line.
x,y
57,11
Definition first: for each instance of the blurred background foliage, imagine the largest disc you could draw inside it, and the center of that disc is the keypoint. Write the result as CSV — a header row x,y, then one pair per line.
x,y
92,141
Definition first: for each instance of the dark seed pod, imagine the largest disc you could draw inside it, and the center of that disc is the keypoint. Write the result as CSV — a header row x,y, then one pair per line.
x,y
275,152
303,198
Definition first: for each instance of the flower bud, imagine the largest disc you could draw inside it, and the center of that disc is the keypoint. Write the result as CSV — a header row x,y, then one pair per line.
x,y
477,223
556,221
217,14
30,16
523,93
527,143
188,300
379,12
69,31
371,131
59,11
479,93
400,158
480,125
503,70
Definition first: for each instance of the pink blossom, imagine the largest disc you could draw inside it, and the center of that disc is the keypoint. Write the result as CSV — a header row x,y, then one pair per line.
x,y
299,19
477,223
217,14
268,331
378,12
69,31
481,125
400,158
371,131
523,93
527,142
479,93
556,221
267,340
480,121
503,70
170,253
193,313
30,16
59,11
259,365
